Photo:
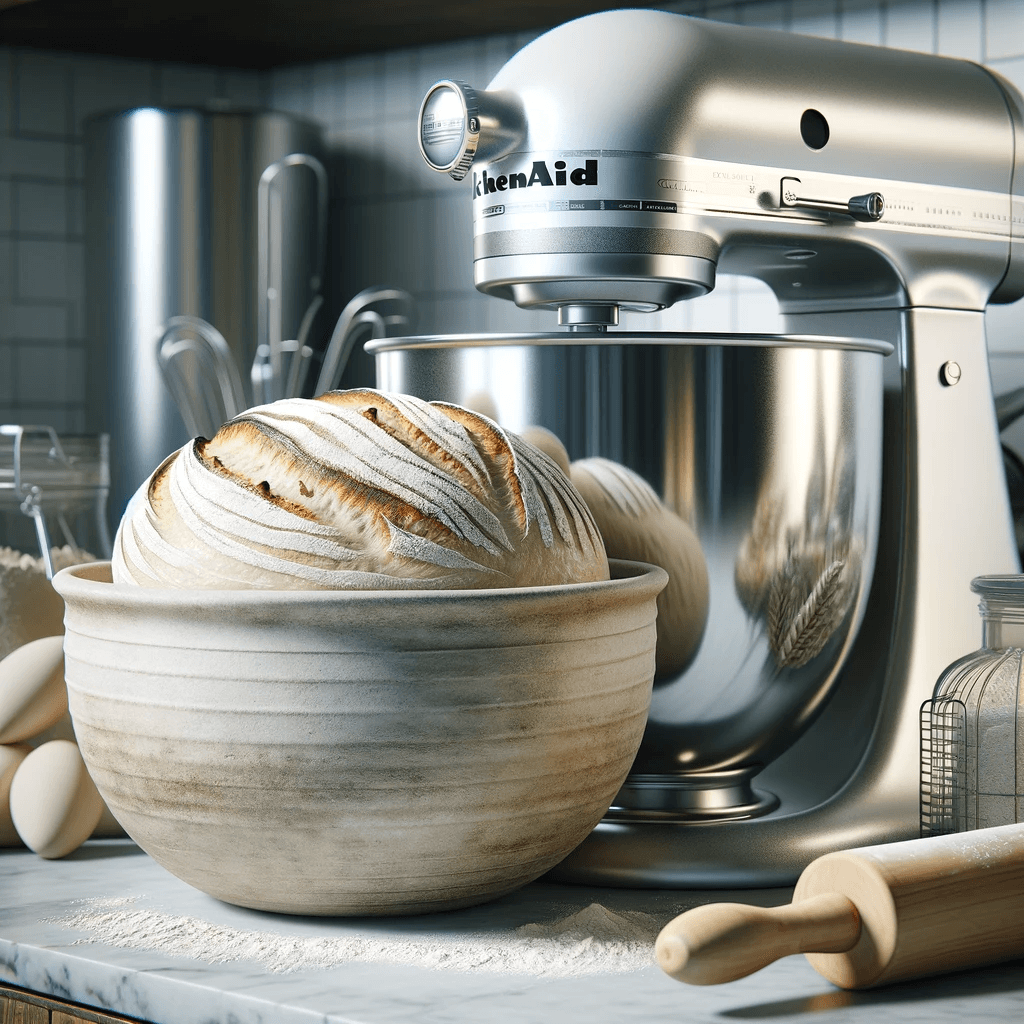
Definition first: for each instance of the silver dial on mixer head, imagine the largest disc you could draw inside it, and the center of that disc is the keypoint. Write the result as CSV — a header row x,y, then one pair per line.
x,y
449,127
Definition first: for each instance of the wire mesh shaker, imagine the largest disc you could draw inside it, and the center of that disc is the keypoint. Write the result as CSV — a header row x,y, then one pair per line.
x,y
972,729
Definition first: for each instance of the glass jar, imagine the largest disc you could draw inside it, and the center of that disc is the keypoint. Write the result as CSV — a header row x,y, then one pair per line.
x,y
53,513
972,730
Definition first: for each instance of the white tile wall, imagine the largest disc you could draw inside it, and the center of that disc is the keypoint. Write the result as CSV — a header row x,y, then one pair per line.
x,y
394,220
960,29
180,85
41,208
6,88
6,375
6,206
912,26
861,22
42,103
768,14
35,321
45,99
100,85
1004,29
815,18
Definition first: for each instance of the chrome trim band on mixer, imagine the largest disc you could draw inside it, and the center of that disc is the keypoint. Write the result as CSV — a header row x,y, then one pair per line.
x,y
428,341
638,240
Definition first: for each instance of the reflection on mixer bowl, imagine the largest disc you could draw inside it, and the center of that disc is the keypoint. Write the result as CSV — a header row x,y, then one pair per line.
x,y
772,452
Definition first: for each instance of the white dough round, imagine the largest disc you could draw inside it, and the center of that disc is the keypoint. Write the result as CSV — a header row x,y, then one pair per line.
x,y
55,805
33,696
549,443
358,490
11,756
637,525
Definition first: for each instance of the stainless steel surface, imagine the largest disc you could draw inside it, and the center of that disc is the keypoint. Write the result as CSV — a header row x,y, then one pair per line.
x,y
458,125
172,230
359,310
869,207
214,394
449,124
272,258
629,339
673,161
950,373
771,448
852,779
670,160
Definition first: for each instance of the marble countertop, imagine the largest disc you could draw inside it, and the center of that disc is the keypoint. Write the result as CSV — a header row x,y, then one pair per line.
x,y
108,928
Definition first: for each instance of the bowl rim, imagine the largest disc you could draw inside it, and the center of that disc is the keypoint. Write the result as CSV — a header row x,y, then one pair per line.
x,y
728,339
79,581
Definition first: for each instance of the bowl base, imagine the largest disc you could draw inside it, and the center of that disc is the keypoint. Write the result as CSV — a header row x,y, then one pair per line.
x,y
695,796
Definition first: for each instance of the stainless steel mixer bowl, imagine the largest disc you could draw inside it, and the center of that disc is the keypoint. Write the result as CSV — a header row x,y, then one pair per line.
x,y
770,447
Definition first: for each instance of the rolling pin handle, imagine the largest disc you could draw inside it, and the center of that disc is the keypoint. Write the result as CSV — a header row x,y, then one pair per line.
x,y
724,941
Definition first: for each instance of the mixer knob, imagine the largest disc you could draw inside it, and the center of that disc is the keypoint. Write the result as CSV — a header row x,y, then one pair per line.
x,y
449,127
867,207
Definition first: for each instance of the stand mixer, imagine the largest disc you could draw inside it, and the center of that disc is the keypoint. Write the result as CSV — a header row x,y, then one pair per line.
x,y
617,163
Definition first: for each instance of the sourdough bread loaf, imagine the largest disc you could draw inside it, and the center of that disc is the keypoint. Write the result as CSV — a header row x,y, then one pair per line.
x,y
358,490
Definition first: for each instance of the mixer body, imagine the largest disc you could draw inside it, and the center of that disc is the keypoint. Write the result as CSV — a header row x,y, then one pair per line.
x,y
879,194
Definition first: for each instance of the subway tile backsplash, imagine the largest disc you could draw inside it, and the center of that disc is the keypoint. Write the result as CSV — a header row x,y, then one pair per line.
x,y
393,220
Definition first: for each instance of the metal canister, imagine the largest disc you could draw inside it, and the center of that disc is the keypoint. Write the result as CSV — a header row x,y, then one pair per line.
x,y
212,214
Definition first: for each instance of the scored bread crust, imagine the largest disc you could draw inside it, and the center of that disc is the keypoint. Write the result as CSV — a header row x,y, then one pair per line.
x,y
358,490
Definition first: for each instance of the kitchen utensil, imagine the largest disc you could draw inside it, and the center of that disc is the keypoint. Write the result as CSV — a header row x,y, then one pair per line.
x,y
270,259
870,916
357,313
972,730
359,752
203,406
879,194
208,391
59,484
219,215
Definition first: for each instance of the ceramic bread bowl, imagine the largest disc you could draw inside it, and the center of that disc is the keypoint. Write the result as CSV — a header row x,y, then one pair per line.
x,y
359,752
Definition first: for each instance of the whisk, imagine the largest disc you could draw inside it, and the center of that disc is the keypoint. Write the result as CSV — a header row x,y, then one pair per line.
x,y
200,372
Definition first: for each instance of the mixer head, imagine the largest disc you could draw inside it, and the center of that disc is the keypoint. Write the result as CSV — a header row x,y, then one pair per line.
x,y
619,160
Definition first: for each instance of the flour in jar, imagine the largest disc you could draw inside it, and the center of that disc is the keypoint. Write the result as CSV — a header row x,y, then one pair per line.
x,y
29,606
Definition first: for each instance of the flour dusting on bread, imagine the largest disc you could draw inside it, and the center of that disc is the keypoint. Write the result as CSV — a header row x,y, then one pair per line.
x,y
358,490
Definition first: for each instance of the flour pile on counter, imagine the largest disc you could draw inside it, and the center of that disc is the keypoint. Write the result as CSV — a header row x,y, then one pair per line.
x,y
592,941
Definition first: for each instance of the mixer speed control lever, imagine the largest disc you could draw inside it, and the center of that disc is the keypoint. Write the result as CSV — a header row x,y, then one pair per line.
x,y
868,207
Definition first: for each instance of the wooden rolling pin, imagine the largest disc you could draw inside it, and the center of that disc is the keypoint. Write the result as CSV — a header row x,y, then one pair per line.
x,y
870,916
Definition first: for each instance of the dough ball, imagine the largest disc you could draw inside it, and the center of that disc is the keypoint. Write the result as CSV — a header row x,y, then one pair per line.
x,y
549,444
637,525
483,403
358,490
